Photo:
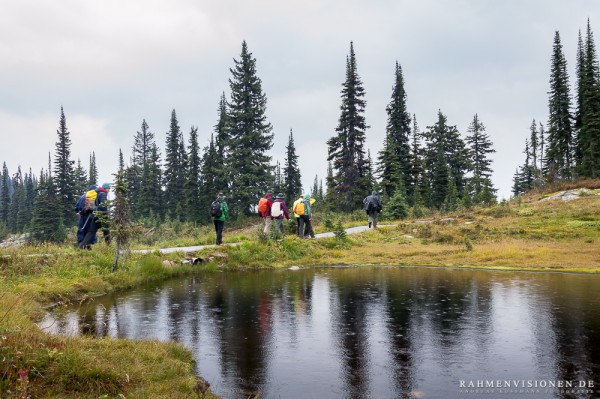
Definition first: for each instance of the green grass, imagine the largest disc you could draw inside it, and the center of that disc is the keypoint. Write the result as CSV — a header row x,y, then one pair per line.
x,y
524,234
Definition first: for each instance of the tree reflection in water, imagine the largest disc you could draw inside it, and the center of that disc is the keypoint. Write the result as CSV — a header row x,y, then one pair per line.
x,y
362,332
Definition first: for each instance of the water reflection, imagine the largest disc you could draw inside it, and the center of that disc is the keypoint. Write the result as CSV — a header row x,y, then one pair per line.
x,y
365,333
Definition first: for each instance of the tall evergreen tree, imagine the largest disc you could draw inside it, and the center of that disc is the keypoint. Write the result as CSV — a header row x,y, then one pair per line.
x,y
415,190
346,149
152,192
30,186
534,141
588,140
4,196
250,136
480,147
93,170
46,223
174,175
195,207
370,181
80,177
542,148
291,171
278,180
211,167
560,133
63,172
394,158
446,157
223,148
17,202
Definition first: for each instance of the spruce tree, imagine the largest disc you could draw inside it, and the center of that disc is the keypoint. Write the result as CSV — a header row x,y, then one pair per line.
x,y
250,136
195,207
346,149
46,223
211,168
80,177
174,175
223,148
4,196
292,176
560,133
394,158
17,202
30,186
278,180
121,226
314,192
93,170
480,147
588,140
63,172
152,192
415,190
446,157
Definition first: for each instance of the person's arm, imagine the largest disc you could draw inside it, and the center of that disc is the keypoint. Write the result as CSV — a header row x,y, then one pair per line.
x,y
225,210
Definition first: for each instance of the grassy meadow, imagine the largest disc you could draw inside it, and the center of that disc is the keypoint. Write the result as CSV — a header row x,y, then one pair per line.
x,y
524,234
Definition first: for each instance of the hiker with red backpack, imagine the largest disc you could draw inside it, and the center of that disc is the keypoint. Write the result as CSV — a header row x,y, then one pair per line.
x,y
279,210
219,212
264,210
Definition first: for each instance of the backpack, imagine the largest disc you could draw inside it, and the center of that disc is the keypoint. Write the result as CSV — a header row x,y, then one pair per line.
x,y
263,206
299,208
276,210
91,201
215,209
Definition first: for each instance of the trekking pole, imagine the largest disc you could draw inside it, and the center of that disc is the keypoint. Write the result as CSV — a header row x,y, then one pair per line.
x,y
86,220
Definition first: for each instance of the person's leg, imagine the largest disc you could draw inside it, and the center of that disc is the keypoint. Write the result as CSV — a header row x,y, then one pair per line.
x,y
309,228
300,227
375,216
90,233
220,225
216,223
268,222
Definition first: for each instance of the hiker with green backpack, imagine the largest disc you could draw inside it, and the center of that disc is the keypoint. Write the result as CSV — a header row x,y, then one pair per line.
x,y
303,210
219,212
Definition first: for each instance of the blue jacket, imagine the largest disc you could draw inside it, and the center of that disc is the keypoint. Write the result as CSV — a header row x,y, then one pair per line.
x,y
81,200
102,197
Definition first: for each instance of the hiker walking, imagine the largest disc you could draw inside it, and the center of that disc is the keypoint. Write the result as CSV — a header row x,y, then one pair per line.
x,y
96,217
264,210
300,199
83,212
373,208
303,209
219,211
279,210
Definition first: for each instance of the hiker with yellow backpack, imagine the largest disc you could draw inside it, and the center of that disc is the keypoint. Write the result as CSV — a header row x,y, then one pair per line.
x,y
94,207
90,196
302,208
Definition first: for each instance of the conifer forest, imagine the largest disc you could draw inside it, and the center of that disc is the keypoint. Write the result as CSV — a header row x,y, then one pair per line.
x,y
422,165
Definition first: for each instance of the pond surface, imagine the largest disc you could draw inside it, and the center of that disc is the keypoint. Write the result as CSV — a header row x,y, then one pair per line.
x,y
368,332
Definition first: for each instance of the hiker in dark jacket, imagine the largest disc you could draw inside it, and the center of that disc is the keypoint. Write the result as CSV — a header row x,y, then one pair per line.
x,y
83,218
279,210
373,208
219,221
95,220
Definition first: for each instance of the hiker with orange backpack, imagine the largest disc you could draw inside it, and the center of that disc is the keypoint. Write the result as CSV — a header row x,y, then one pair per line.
x,y
264,210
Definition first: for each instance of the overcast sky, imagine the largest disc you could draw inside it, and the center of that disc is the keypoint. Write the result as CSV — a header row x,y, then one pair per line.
x,y
113,63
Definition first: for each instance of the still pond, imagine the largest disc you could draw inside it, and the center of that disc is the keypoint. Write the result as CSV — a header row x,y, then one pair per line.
x,y
368,332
